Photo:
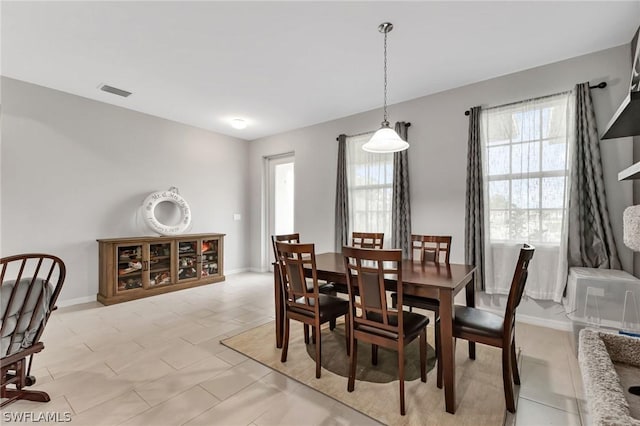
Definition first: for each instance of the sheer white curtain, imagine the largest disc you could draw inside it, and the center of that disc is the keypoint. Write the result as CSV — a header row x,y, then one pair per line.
x,y
370,182
525,155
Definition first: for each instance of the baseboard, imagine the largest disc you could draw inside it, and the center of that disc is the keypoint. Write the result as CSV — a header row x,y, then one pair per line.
x,y
76,301
541,322
258,270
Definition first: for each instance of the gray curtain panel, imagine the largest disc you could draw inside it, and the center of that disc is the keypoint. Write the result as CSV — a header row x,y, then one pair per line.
x,y
590,239
401,207
342,197
474,203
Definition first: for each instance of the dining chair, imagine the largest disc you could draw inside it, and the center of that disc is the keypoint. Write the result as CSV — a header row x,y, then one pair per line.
x,y
325,288
305,303
433,248
371,319
30,285
373,240
491,329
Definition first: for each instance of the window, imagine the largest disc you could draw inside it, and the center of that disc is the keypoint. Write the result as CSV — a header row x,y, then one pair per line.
x,y
525,155
370,186
526,169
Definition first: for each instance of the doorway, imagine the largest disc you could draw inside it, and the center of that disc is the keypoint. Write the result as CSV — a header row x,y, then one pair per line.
x,y
279,200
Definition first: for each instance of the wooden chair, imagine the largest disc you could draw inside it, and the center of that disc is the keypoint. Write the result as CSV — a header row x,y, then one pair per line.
x,y
373,240
431,248
30,285
325,288
435,248
480,326
371,319
305,304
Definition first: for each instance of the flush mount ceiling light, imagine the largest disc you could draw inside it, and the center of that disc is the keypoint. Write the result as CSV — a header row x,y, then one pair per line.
x,y
385,140
238,123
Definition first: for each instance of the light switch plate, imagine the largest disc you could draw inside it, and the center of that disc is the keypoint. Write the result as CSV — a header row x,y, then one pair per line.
x,y
237,216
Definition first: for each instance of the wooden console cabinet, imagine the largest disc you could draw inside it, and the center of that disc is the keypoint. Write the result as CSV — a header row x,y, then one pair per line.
x,y
132,268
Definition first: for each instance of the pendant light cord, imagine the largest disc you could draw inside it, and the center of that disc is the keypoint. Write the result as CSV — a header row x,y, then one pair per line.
x,y
385,81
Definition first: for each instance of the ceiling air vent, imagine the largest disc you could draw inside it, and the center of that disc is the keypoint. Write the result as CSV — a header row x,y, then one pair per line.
x,y
114,90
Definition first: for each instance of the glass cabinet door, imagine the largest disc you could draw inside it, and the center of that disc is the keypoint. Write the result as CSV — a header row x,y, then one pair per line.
x,y
187,260
209,257
130,267
160,264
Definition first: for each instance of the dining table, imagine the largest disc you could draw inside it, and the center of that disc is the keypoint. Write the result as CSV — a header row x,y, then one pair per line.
x,y
434,280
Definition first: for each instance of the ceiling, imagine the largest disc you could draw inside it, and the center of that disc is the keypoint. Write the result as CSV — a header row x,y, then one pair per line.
x,y
285,65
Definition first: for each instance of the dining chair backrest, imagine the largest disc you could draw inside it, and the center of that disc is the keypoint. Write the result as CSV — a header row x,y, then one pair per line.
x,y
292,260
366,272
517,287
434,248
371,240
284,238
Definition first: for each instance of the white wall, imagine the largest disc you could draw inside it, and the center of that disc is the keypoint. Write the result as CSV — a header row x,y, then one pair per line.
x,y
74,170
437,157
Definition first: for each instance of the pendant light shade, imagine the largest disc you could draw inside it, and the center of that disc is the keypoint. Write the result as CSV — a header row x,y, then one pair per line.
x,y
385,140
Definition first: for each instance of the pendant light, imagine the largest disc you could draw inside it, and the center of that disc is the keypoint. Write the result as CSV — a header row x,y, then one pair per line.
x,y
385,140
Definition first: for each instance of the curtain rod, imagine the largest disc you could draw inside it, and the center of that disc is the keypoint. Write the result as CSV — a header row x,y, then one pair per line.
x,y
371,131
597,86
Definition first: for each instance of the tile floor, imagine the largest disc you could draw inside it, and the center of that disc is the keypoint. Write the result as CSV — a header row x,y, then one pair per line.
x,y
158,361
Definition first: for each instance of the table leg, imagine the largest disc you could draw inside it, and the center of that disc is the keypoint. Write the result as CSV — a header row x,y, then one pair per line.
x,y
277,292
470,291
448,349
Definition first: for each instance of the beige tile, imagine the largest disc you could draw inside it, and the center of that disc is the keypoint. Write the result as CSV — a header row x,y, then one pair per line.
x,y
294,407
585,416
206,333
281,382
235,379
343,415
242,408
177,330
231,356
213,346
89,361
56,352
172,384
112,412
198,313
183,355
74,382
533,414
549,386
145,370
176,410
96,391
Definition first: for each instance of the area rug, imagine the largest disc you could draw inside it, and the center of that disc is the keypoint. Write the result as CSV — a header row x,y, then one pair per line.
x,y
479,393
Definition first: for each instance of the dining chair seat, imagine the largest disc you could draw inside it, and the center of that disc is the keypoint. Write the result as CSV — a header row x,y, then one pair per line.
x,y
413,325
478,322
330,307
418,302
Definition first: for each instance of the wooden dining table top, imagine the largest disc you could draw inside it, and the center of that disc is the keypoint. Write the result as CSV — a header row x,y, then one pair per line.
x,y
413,272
